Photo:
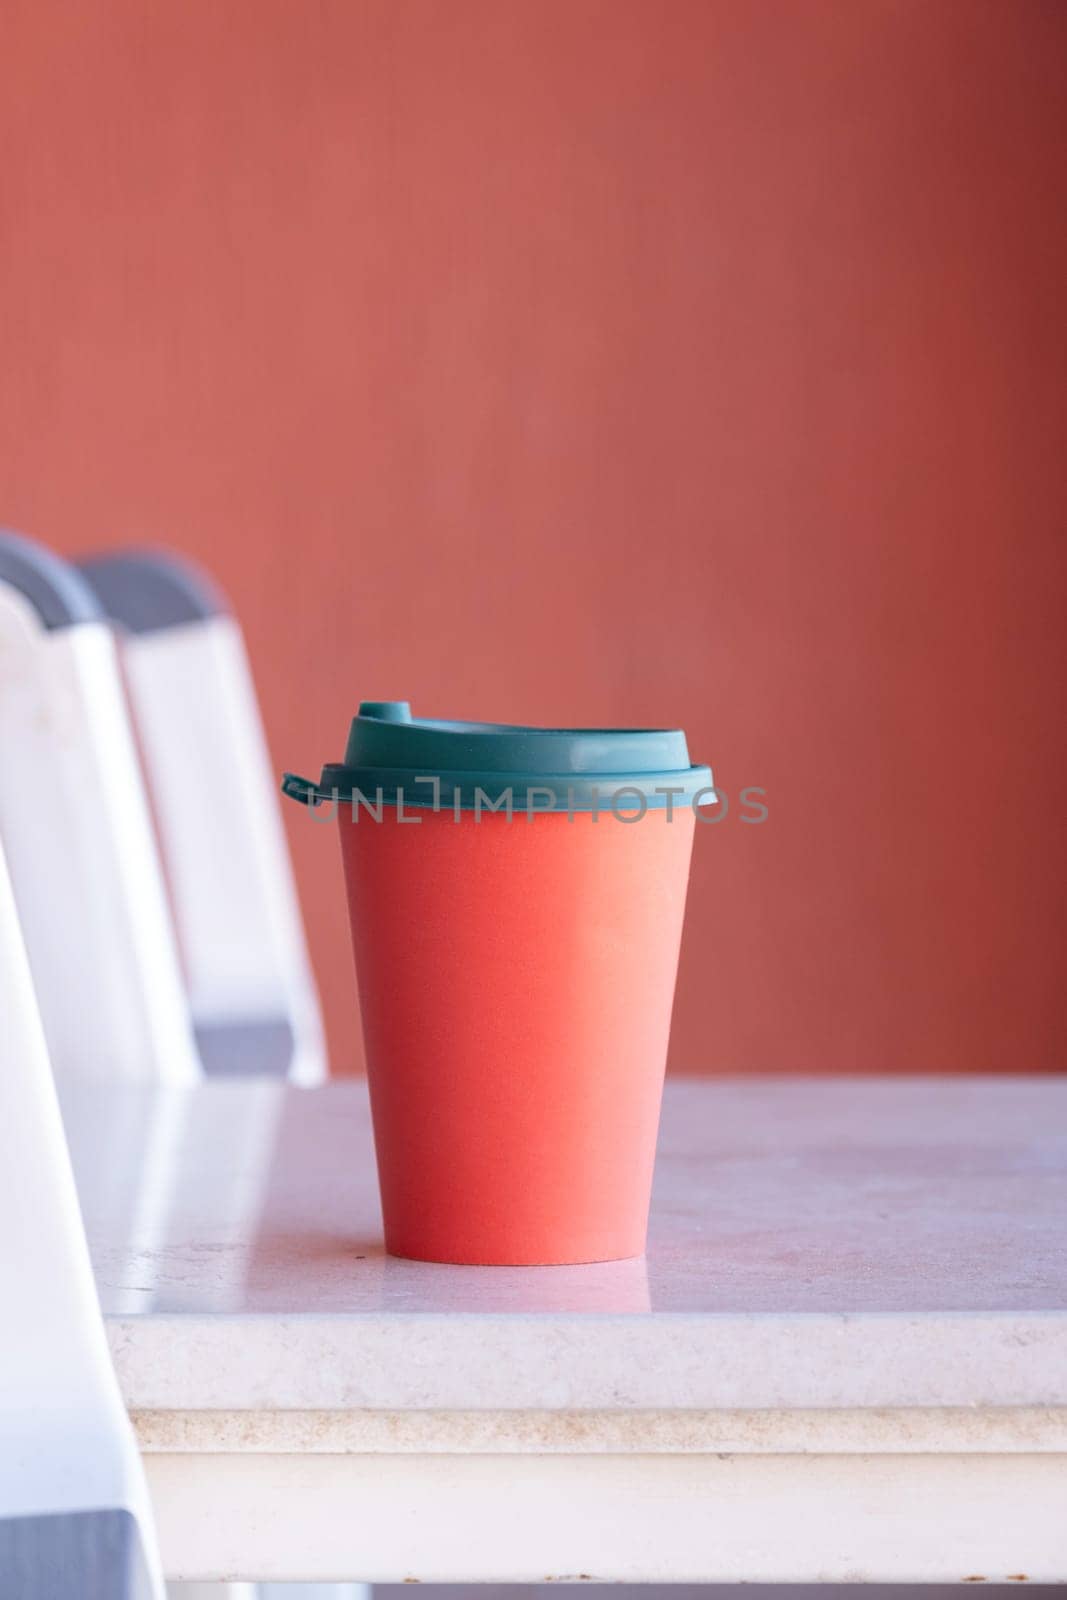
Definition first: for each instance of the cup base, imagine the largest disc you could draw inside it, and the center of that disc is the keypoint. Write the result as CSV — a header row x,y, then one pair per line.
x,y
479,1259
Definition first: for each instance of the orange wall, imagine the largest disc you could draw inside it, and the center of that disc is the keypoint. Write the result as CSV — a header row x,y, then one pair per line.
x,y
603,362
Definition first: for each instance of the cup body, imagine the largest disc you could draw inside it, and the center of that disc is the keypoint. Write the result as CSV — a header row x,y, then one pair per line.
x,y
516,979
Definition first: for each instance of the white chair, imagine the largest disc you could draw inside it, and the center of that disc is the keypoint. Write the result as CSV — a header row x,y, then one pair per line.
x,y
75,825
251,992
74,1516
73,806
77,834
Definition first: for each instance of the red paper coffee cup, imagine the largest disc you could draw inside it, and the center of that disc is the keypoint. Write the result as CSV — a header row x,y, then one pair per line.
x,y
516,900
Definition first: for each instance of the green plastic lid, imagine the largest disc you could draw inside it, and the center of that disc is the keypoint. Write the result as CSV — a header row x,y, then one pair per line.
x,y
393,758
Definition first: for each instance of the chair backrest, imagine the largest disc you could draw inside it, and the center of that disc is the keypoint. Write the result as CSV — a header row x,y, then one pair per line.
x,y
77,834
74,1517
216,805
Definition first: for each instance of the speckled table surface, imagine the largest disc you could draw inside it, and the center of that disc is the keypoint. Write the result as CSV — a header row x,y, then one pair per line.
x,y
812,1243
854,1299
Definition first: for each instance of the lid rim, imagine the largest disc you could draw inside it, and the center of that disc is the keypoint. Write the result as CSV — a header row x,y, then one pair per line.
x,y
476,791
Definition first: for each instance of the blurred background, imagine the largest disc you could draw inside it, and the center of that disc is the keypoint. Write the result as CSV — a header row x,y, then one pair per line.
x,y
699,364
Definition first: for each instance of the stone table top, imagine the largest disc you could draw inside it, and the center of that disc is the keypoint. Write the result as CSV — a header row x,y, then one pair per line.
x,y
814,1244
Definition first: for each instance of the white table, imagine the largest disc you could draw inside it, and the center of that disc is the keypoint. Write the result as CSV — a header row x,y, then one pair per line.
x,y
845,1356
